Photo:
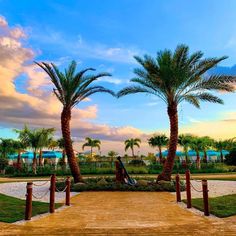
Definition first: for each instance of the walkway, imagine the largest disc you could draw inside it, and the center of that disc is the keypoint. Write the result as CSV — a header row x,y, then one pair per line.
x,y
123,213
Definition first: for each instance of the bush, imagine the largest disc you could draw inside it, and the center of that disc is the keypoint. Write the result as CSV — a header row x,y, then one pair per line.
x,y
3,163
135,162
91,184
230,159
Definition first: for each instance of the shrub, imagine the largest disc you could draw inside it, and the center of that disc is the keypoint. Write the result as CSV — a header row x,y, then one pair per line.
x,y
135,162
230,159
3,163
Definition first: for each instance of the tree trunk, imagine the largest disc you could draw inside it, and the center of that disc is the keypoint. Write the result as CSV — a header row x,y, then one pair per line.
x,y
133,153
160,155
65,127
169,163
221,157
34,165
40,158
198,161
91,153
205,157
19,160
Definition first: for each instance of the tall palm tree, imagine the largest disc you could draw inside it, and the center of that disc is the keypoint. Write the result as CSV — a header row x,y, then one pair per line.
x,y
92,143
159,141
71,88
131,143
175,77
184,140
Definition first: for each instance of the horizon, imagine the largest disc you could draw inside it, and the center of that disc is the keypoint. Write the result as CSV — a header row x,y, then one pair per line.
x,y
104,37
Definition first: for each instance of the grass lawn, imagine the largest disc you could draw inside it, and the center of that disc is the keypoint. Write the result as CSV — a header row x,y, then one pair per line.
x,y
13,209
223,206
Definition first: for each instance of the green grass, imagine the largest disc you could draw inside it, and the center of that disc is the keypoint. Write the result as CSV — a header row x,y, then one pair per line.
x,y
223,206
13,209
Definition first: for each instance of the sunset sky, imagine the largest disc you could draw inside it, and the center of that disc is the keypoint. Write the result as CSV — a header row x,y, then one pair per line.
x,y
106,35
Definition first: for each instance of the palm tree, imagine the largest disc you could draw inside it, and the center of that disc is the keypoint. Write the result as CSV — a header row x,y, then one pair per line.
x,y
53,144
131,143
176,77
223,145
19,148
197,145
61,145
46,139
207,142
112,155
184,140
92,143
70,89
35,139
159,141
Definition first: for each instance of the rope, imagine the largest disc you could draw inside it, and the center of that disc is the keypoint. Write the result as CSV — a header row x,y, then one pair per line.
x,y
197,180
39,185
199,191
40,197
61,191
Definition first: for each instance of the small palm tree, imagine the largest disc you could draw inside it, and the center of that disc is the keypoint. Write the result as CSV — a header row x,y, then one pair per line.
x,y
92,143
207,142
184,140
197,145
19,148
131,143
112,155
61,145
70,89
174,78
222,145
159,141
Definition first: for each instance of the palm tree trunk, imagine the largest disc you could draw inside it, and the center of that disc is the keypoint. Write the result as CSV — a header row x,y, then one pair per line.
x,y
221,156
160,154
19,160
205,157
40,158
169,163
133,152
198,161
34,165
65,127
91,153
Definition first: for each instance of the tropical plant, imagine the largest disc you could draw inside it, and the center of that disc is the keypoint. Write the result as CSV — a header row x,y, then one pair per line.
x,y
207,142
131,143
92,143
174,78
6,147
197,145
61,145
159,141
53,144
221,145
112,155
70,89
184,140
19,148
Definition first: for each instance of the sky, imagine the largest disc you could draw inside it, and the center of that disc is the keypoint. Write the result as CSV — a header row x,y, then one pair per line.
x,y
105,35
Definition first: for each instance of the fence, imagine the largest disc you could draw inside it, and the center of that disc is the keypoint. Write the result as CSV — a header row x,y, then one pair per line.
x,y
52,190
189,187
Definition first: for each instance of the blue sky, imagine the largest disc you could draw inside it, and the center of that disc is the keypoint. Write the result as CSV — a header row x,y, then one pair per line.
x,y
106,34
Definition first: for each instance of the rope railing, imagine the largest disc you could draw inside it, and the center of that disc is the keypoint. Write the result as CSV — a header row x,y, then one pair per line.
x,y
199,191
52,190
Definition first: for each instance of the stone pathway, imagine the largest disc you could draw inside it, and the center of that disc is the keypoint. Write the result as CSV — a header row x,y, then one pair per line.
x,y
123,213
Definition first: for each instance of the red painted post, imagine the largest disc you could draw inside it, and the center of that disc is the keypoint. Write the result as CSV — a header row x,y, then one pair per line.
x,y
178,194
28,203
68,191
52,194
188,189
205,197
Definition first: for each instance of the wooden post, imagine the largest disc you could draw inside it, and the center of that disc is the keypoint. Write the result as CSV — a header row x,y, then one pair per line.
x,y
52,193
188,189
178,195
28,203
68,191
205,197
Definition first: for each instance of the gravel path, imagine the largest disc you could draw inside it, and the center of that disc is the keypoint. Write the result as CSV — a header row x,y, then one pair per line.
x,y
216,188
18,190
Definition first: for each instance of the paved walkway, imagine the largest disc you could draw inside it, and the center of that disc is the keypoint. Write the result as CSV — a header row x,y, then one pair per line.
x,y
123,213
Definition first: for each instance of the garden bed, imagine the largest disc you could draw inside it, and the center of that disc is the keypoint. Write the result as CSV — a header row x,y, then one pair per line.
x,y
109,184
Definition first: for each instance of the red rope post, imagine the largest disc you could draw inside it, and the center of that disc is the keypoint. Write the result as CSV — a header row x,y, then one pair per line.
x,y
52,194
188,189
68,191
28,203
178,194
205,197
